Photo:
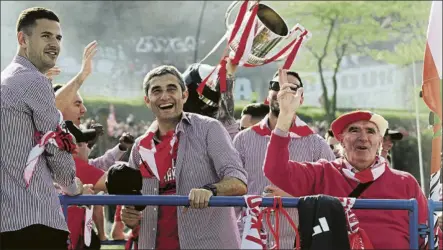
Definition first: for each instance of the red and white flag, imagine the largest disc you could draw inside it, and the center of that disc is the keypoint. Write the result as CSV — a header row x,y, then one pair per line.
x,y
431,89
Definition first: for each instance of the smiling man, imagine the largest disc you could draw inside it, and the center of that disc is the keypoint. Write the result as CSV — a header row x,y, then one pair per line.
x,y
30,206
361,135
184,154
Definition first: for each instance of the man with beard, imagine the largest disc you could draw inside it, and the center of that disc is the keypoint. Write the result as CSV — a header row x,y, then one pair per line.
x,y
304,145
32,216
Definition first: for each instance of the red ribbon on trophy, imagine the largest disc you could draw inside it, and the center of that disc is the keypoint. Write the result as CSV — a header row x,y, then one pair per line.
x,y
255,32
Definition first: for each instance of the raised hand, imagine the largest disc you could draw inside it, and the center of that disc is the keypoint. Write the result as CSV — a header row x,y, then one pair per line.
x,y
289,96
54,71
88,55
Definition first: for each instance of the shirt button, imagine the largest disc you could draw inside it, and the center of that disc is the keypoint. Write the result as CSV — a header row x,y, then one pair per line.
x,y
153,229
155,189
155,209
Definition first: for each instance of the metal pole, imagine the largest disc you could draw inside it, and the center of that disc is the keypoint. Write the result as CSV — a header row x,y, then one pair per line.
x,y
417,122
197,35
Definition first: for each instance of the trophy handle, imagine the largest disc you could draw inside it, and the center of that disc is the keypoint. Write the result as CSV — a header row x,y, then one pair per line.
x,y
228,13
293,31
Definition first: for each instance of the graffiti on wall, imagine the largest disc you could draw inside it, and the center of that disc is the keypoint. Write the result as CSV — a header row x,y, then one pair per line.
x,y
160,44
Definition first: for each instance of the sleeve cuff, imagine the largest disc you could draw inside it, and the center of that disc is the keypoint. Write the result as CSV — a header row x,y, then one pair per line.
x,y
71,189
280,132
239,176
116,152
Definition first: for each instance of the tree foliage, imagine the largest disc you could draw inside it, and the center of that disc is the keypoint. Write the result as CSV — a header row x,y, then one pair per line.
x,y
393,32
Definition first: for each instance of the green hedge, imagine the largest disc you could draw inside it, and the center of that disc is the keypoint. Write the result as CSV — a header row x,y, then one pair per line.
x,y
405,152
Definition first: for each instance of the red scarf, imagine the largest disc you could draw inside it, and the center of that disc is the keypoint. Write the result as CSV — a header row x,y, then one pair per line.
x,y
156,159
299,128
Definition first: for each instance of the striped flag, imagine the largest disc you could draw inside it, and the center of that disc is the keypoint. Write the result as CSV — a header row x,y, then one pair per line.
x,y
431,89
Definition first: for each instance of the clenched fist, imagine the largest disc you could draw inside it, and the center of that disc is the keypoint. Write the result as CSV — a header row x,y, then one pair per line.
x,y
199,198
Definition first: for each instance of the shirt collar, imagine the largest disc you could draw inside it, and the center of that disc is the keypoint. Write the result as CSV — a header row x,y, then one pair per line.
x,y
26,63
185,119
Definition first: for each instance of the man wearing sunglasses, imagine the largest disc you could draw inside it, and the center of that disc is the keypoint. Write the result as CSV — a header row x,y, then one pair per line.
x,y
252,142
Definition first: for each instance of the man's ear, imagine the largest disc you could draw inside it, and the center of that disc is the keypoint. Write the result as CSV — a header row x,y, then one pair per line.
x,y
147,101
185,95
21,38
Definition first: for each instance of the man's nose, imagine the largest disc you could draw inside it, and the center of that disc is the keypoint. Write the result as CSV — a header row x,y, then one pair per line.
x,y
363,136
164,95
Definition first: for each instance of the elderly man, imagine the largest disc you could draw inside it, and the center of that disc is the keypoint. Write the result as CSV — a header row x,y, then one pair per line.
x,y
361,135
184,154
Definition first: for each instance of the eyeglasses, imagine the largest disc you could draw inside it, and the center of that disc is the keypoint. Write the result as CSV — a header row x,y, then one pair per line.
x,y
274,85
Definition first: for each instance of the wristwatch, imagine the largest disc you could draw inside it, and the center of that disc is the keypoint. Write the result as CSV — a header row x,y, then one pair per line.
x,y
211,188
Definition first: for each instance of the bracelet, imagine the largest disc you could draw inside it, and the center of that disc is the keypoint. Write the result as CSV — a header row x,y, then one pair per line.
x,y
211,188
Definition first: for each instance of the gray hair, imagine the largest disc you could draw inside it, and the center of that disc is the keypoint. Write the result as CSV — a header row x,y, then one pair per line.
x,y
161,71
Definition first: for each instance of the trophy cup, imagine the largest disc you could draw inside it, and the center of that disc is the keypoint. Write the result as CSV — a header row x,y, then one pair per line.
x,y
257,30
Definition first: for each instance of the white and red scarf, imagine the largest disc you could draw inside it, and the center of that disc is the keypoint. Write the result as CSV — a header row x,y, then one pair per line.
x,y
370,174
153,155
358,239
254,235
298,129
59,138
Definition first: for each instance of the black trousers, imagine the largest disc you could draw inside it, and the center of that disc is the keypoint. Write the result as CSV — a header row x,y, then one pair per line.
x,y
34,237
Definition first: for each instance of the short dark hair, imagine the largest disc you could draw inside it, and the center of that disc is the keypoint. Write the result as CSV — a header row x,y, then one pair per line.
x,y
57,87
27,18
289,72
160,71
256,110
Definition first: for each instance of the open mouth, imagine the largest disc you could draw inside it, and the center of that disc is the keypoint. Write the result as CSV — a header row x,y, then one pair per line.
x,y
52,54
166,106
362,148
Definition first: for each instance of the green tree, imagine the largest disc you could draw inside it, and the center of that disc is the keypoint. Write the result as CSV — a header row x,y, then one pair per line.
x,y
343,28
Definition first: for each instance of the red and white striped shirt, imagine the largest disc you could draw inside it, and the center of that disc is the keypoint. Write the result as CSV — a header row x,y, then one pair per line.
x,y
252,149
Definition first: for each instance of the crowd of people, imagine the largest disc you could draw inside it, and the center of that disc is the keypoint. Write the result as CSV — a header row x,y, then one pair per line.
x,y
194,147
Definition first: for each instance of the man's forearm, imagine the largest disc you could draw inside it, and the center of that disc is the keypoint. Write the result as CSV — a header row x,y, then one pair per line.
x,y
231,186
284,122
108,159
65,95
226,104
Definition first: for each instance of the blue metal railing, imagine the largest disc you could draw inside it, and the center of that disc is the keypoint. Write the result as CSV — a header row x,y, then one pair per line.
x,y
432,206
238,201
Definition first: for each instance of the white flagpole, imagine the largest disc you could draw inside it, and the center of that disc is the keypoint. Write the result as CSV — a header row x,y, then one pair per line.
x,y
417,121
